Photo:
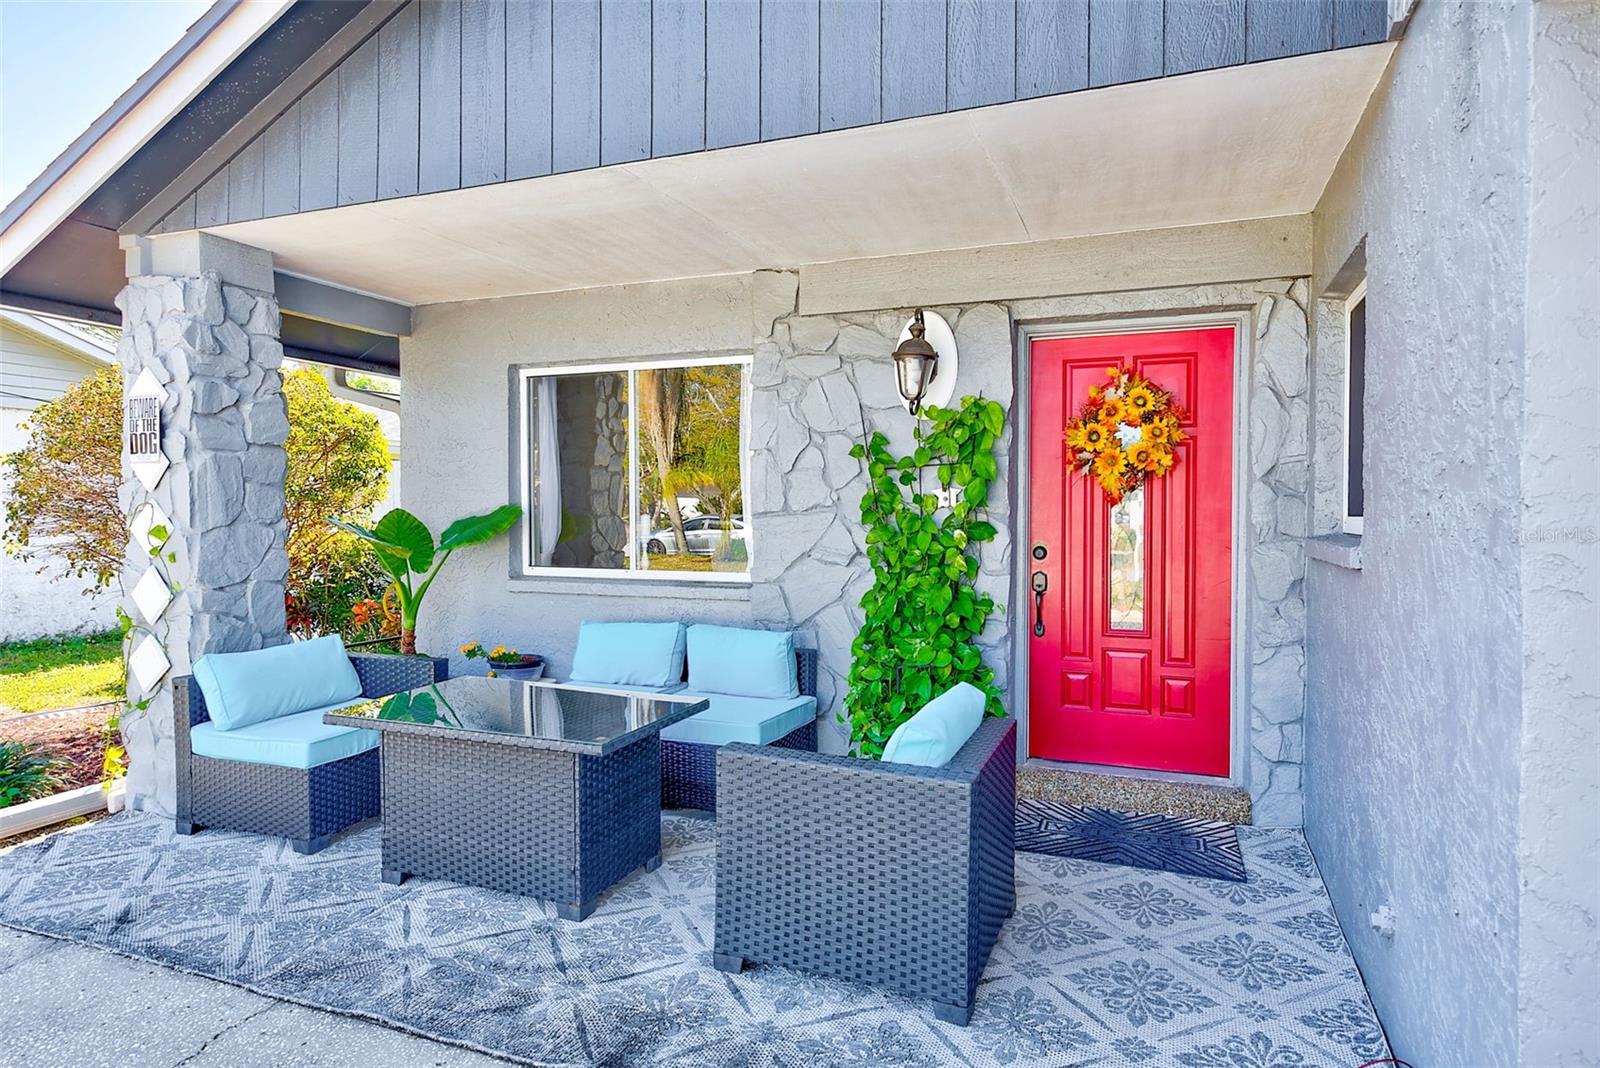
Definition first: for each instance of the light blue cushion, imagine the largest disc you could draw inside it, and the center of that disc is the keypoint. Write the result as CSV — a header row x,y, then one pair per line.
x,y
936,733
630,687
629,654
300,740
748,663
757,720
245,688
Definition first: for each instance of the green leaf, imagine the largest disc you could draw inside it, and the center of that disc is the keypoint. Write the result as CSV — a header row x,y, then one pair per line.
x,y
393,557
922,613
410,535
981,531
477,529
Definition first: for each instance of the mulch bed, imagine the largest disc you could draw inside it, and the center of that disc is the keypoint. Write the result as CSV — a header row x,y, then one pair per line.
x,y
75,737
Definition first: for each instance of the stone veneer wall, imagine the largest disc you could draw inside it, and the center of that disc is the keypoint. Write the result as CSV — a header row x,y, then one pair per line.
x,y
215,348
819,382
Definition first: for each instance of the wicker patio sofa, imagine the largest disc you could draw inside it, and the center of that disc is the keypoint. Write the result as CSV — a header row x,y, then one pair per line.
x,y
689,769
867,871
306,806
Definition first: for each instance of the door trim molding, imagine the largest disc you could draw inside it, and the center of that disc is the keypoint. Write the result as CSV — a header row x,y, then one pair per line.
x,y
1239,317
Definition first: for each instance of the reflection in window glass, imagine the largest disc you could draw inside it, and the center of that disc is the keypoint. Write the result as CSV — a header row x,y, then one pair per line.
x,y
691,460
1126,566
579,470
657,449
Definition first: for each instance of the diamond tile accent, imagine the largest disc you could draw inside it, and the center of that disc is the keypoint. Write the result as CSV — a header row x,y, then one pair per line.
x,y
145,518
149,664
151,595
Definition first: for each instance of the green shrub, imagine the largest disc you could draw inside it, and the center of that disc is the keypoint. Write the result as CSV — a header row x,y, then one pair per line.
x,y
26,772
923,612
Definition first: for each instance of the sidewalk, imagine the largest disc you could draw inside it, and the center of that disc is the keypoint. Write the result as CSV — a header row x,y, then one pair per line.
x,y
64,1004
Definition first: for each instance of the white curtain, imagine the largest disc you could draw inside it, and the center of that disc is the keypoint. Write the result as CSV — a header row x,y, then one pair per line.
x,y
549,504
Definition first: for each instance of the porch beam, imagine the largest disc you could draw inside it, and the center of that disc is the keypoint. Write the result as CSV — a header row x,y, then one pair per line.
x,y
327,303
1278,247
60,308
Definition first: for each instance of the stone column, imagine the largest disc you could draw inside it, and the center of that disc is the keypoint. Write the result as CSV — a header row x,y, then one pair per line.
x,y
200,316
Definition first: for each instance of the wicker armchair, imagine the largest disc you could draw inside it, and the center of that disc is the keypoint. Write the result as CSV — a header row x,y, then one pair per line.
x,y
308,807
878,873
689,769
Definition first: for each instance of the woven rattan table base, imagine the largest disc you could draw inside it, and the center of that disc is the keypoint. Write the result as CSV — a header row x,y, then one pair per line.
x,y
545,823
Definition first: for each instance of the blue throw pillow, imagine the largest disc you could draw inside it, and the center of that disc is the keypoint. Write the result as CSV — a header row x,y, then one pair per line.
x,y
935,734
629,654
253,687
746,663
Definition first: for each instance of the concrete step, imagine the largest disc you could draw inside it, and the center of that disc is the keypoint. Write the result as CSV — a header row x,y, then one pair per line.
x,y
1044,781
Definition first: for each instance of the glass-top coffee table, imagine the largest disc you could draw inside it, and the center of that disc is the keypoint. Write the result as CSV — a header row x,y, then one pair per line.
x,y
542,788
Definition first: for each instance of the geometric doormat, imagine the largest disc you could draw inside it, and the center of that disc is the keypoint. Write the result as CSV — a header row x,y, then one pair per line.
x,y
1205,848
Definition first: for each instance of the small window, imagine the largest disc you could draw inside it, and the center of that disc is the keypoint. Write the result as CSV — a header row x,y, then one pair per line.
x,y
637,469
1355,378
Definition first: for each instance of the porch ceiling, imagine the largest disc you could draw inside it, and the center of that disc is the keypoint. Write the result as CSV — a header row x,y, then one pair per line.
x,y
1238,143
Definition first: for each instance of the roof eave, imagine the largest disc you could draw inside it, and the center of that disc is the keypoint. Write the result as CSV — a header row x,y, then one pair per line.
x,y
214,41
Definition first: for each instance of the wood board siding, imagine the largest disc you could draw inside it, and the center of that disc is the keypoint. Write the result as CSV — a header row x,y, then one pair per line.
x,y
34,371
449,94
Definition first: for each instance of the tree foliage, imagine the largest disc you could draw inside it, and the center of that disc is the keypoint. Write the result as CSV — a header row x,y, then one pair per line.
x,y
923,613
338,468
66,480
660,406
707,460
63,502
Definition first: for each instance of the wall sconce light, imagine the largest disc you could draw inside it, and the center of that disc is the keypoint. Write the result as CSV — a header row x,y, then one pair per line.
x,y
916,364
925,364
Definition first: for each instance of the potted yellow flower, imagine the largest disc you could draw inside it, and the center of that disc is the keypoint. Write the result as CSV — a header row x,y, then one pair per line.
x,y
506,663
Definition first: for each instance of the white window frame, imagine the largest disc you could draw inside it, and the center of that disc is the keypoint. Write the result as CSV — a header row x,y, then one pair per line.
x,y
525,378
1351,524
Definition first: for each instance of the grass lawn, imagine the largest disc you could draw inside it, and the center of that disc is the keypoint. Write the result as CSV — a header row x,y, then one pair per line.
x,y
686,562
679,562
60,672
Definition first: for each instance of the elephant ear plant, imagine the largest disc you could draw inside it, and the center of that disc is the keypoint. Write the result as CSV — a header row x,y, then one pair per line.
x,y
406,549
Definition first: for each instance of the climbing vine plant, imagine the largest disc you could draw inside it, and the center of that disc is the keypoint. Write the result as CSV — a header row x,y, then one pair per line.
x,y
923,613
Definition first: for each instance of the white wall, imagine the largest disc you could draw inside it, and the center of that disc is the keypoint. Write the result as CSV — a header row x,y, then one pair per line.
x,y
35,604
1451,755
1559,855
33,371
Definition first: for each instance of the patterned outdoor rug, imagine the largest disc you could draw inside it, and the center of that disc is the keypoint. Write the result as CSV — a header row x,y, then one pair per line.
x,y
1205,848
1099,963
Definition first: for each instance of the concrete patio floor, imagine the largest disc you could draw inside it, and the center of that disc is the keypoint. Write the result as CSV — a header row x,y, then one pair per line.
x,y
67,1004
1102,963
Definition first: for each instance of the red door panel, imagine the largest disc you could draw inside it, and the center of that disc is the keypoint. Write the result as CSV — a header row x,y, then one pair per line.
x,y
1143,682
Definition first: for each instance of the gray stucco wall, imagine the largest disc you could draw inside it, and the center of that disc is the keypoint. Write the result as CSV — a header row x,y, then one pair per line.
x,y
817,381
1423,662
1559,969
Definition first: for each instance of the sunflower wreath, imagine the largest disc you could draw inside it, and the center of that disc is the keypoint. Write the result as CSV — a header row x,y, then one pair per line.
x,y
1125,433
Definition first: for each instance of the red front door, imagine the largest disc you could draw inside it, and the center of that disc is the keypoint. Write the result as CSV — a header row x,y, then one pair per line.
x,y
1130,645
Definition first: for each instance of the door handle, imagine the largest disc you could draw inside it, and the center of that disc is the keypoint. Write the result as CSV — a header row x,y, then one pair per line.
x,y
1041,582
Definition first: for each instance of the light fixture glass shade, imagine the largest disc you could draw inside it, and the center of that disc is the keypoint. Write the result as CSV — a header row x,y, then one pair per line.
x,y
915,364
